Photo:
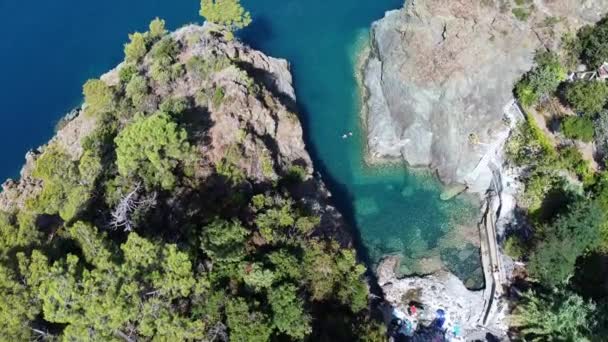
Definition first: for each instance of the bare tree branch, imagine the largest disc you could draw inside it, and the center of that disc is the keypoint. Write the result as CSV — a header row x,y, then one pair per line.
x,y
41,335
122,214
124,336
217,333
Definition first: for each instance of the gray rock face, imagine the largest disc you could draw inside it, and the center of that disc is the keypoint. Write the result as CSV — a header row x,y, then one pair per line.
x,y
441,72
441,290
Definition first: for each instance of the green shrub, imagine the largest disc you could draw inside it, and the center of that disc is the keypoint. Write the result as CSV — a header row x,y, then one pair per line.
x,y
165,51
151,149
514,247
571,47
296,173
580,128
306,224
229,167
259,278
17,231
594,49
164,55
526,94
273,222
137,90
63,192
542,80
160,73
19,307
244,78
521,14
157,28
557,315
193,38
200,68
340,273
601,133
177,70
266,164
126,72
247,324
100,142
218,97
89,167
98,96
537,186
175,106
587,97
288,312
136,49
224,240
529,146
572,160
572,234
227,13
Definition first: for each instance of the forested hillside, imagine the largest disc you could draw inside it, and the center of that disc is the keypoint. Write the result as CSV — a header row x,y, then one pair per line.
x,y
179,204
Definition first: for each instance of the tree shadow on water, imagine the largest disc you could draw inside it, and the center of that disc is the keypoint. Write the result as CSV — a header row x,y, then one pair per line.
x,y
341,198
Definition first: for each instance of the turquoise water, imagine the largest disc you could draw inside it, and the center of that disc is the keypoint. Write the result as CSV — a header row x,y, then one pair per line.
x,y
50,49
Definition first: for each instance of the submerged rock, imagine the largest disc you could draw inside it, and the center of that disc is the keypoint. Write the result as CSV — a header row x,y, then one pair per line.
x,y
441,72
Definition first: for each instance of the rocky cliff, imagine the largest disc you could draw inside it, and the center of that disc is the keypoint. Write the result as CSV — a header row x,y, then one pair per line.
x,y
178,204
441,72
240,113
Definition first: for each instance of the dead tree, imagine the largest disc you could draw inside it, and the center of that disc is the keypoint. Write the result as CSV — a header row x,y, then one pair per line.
x,y
122,216
218,332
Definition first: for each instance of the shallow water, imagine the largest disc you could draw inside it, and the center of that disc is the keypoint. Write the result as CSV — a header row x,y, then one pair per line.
x,y
51,48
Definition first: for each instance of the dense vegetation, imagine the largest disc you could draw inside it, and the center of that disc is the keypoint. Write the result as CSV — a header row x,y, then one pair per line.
x,y
130,242
565,198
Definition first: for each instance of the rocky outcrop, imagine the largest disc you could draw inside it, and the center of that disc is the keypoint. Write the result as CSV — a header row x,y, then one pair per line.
x,y
441,72
75,127
241,114
442,290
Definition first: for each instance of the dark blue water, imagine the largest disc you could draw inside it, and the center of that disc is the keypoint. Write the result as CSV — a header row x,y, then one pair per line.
x,y
51,47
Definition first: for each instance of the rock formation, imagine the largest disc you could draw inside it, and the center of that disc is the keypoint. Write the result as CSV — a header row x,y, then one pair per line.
x,y
438,81
184,177
441,72
255,127
442,290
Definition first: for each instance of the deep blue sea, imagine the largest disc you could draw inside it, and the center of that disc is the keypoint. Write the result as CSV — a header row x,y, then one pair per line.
x,y
50,48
